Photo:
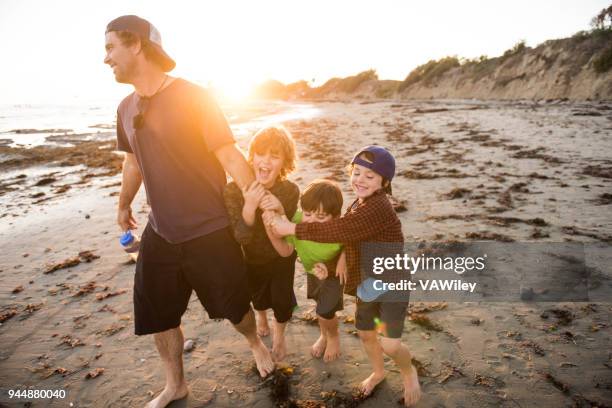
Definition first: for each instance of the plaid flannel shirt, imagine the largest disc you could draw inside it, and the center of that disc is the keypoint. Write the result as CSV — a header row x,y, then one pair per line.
x,y
373,220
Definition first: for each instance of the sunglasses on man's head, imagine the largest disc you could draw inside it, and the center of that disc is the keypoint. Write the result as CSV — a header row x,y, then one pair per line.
x,y
142,104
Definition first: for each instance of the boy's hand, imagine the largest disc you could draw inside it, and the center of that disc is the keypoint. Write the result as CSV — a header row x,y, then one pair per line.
x,y
253,195
341,272
320,271
270,202
268,217
282,226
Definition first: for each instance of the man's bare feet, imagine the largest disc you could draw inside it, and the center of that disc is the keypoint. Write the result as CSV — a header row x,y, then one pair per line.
x,y
279,347
332,349
263,359
367,386
168,395
318,348
412,388
263,329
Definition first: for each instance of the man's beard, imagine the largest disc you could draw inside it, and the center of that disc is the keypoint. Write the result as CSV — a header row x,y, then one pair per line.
x,y
123,76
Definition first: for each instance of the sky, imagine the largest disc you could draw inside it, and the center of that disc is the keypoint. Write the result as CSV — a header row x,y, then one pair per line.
x,y
53,51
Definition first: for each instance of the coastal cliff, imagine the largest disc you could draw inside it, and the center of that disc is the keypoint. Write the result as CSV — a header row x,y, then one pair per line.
x,y
575,68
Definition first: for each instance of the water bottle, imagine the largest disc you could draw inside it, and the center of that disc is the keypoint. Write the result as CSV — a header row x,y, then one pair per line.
x,y
130,243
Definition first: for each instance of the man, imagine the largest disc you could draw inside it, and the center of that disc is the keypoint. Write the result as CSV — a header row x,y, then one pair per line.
x,y
177,141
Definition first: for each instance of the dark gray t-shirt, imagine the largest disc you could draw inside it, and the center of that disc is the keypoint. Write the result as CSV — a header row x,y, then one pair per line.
x,y
184,181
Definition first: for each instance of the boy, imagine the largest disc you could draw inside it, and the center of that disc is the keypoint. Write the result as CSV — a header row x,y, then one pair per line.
x,y
320,202
270,276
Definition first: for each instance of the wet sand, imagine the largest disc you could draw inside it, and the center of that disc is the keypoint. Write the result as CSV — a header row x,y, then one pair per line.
x,y
513,171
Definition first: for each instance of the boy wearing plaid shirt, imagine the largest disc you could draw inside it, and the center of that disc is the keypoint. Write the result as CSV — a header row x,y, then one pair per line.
x,y
370,218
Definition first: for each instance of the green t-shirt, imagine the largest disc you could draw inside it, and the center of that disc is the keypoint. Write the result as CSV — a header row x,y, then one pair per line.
x,y
311,252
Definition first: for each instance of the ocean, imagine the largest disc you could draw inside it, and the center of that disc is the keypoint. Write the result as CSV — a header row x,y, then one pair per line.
x,y
29,125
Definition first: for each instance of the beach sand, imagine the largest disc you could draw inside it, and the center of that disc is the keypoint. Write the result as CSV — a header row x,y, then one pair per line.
x,y
466,170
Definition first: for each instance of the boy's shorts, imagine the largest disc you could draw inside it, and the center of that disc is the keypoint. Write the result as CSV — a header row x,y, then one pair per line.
x,y
271,286
327,293
166,274
391,317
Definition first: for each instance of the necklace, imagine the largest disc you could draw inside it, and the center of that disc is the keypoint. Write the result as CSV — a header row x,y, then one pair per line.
x,y
143,104
158,89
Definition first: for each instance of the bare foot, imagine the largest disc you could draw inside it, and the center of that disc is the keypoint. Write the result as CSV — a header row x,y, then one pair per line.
x,y
279,347
412,388
318,348
367,386
332,350
168,395
263,359
263,329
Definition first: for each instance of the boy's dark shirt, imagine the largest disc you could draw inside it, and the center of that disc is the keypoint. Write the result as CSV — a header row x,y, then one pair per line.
x,y
254,240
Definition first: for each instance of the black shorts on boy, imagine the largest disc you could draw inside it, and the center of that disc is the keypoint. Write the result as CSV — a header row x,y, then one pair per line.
x,y
271,286
327,293
166,274
390,315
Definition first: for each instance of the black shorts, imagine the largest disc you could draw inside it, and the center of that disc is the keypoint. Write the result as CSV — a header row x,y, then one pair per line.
x,y
166,274
327,293
271,287
385,317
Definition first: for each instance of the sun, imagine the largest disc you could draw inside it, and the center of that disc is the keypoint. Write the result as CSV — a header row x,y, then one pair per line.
x,y
233,90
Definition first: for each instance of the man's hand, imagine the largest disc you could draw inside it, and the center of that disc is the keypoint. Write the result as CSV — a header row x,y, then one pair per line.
x,y
320,271
125,219
271,203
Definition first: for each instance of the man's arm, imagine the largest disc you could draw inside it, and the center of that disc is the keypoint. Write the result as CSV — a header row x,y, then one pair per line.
x,y
235,164
234,203
130,183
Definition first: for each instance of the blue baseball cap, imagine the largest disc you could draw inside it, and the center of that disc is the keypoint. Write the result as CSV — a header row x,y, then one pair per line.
x,y
383,163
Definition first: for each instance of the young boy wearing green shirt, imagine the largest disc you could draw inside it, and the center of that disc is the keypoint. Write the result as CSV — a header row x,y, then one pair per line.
x,y
320,202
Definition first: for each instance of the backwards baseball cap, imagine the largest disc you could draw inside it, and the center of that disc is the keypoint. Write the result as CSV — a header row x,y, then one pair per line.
x,y
147,34
383,162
